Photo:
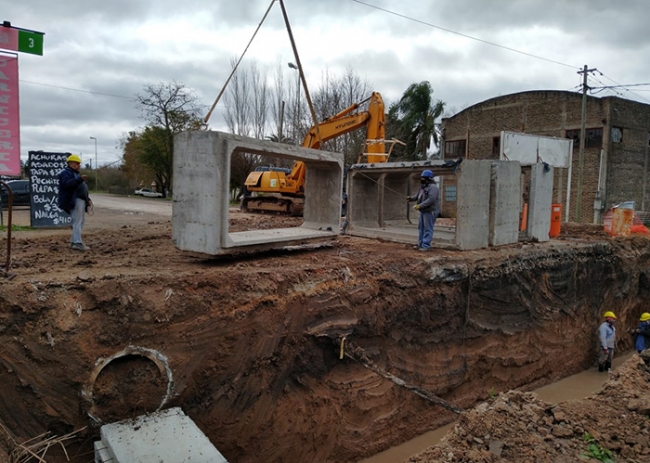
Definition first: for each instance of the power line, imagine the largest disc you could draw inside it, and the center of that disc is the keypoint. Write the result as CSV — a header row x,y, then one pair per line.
x,y
464,35
622,85
609,78
76,89
394,13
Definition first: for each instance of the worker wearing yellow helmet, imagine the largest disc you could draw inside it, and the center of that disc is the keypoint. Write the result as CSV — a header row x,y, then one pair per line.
x,y
606,341
642,340
73,198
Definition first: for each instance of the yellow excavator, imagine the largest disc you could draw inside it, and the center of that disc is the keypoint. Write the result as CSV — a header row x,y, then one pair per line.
x,y
280,191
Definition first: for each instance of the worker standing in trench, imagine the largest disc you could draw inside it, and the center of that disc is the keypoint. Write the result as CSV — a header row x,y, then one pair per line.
x,y
642,339
428,204
607,340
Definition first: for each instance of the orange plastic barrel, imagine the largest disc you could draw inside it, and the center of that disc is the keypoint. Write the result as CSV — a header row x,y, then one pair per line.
x,y
523,223
556,220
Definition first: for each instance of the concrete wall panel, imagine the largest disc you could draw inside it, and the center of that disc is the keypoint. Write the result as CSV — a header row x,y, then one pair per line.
x,y
201,194
473,205
541,198
505,199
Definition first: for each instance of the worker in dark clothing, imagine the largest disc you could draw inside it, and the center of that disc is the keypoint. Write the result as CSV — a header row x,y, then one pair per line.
x,y
428,204
73,198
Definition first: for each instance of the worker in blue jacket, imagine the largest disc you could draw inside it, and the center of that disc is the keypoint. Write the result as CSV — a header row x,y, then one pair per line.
x,y
73,197
642,341
428,204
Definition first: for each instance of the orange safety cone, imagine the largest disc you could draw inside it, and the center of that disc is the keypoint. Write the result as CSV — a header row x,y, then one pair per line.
x,y
556,220
523,224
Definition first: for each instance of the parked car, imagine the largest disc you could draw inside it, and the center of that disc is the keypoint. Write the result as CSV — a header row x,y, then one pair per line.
x,y
148,192
20,189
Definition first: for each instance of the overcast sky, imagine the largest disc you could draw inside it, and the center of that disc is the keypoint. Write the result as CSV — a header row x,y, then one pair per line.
x,y
99,54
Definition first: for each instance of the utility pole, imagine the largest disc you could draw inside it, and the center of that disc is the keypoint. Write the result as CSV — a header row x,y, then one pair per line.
x,y
96,166
297,126
581,152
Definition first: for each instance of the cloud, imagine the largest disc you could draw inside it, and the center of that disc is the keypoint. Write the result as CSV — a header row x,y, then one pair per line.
x,y
98,55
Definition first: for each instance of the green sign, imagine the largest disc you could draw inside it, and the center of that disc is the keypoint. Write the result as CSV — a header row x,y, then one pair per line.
x,y
30,42
14,39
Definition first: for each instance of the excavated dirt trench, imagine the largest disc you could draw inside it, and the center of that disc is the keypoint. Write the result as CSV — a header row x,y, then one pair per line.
x,y
253,343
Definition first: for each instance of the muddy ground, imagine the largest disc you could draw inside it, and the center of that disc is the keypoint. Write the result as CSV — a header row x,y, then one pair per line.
x,y
253,342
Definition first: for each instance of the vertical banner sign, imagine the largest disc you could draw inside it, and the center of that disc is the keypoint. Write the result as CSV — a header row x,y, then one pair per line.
x,y
9,116
44,171
8,38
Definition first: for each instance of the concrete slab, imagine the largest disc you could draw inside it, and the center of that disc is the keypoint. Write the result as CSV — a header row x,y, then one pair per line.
x,y
473,205
505,199
541,199
169,436
443,236
202,163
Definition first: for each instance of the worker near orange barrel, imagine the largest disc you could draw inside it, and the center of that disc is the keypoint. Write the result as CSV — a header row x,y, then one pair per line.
x,y
606,341
428,204
642,332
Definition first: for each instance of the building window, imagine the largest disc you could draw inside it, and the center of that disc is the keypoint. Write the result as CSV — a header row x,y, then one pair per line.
x,y
496,146
450,193
617,135
593,139
455,149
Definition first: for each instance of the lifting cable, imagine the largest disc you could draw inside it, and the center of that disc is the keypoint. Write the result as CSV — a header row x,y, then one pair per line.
x,y
223,89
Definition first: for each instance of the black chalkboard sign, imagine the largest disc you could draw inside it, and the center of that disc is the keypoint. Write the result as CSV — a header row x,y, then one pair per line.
x,y
44,171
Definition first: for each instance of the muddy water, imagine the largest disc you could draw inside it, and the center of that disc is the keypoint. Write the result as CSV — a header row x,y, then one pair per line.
x,y
571,388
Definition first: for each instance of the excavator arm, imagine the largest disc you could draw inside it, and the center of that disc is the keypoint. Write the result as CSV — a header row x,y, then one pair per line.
x,y
345,122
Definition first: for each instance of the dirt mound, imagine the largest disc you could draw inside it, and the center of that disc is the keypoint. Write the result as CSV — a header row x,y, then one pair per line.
x,y
612,425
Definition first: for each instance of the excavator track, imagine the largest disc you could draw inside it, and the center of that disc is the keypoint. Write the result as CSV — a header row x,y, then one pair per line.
x,y
273,204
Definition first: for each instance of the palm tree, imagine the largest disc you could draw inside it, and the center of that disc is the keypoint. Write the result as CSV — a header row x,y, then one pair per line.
x,y
280,139
416,114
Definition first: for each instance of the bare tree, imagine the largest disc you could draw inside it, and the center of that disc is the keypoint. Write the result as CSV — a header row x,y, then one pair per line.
x,y
260,103
247,107
278,100
236,97
333,96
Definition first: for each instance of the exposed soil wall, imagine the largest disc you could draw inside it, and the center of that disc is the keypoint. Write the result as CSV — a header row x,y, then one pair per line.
x,y
253,342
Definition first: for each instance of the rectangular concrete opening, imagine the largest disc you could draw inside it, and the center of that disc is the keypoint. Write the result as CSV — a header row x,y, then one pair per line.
x,y
202,173
378,206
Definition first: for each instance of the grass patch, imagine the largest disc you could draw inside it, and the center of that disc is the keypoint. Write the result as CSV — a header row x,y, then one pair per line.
x,y
596,451
3,228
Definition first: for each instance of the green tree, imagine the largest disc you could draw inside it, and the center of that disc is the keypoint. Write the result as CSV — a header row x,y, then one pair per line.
x,y
413,120
169,108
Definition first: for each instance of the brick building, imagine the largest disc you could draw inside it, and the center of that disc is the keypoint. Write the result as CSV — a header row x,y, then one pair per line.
x,y
616,152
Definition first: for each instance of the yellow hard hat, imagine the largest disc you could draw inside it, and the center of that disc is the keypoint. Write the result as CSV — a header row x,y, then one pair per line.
x,y
645,316
73,158
609,314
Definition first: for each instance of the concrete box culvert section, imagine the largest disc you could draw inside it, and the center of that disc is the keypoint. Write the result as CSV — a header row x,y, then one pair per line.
x,y
159,360
487,202
202,174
